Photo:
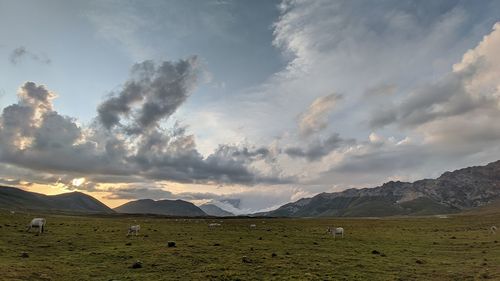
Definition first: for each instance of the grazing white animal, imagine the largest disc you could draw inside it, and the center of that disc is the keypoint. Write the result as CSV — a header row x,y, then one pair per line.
x,y
493,229
214,225
253,226
335,231
133,229
37,223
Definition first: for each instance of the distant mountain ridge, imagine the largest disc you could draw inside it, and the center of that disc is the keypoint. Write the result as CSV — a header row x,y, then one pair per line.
x,y
161,207
18,199
213,210
452,192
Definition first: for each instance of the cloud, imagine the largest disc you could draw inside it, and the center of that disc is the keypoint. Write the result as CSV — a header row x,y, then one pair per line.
x,y
152,93
315,118
20,53
131,145
135,193
472,85
381,90
13,182
452,120
319,148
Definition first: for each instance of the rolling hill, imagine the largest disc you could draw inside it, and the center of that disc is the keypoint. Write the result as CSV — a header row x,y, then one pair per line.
x,y
452,192
161,207
18,199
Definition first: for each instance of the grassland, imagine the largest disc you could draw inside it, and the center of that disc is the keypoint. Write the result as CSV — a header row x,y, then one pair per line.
x,y
96,248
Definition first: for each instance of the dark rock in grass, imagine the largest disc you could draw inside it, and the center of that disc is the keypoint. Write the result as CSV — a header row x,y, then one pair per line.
x,y
375,252
287,253
128,244
145,236
260,238
25,255
216,244
486,275
246,259
251,248
274,255
315,243
137,264
171,244
495,241
453,237
420,261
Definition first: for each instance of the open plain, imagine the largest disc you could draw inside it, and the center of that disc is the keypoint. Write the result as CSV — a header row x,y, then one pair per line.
x,y
458,247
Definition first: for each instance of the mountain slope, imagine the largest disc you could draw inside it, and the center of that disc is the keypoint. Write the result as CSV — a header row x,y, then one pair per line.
x,y
451,192
213,210
18,199
161,207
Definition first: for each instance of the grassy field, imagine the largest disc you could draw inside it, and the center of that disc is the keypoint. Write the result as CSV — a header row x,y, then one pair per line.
x,y
96,248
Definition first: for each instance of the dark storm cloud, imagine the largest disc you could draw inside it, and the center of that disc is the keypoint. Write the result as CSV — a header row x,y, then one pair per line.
x,y
319,149
20,53
153,92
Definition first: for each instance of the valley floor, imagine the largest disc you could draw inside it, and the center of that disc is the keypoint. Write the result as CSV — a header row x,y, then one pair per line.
x,y
96,248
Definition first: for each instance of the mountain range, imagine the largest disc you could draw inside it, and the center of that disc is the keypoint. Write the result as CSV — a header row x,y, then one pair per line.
x,y
457,191
451,192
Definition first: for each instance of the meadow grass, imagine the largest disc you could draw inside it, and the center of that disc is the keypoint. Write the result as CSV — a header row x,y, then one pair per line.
x,y
96,248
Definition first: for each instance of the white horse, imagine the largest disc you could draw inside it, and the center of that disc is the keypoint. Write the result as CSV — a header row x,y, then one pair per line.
x,y
133,229
493,229
335,231
214,225
37,223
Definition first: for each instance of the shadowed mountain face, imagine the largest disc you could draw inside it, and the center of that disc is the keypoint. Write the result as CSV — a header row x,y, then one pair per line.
x,y
18,199
161,207
451,192
213,210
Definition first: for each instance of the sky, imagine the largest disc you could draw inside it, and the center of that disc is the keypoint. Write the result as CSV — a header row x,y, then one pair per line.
x,y
244,104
